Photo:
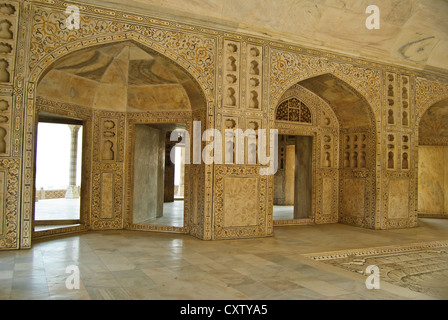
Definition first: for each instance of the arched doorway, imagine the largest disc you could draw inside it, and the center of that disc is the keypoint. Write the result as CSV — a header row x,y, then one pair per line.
x,y
432,160
125,94
343,150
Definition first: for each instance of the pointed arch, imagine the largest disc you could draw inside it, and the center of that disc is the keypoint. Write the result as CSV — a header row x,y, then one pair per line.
x,y
45,63
195,86
352,151
349,86
433,124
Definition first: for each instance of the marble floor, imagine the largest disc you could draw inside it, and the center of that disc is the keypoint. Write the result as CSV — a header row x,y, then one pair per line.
x,y
283,212
57,209
158,266
68,209
173,215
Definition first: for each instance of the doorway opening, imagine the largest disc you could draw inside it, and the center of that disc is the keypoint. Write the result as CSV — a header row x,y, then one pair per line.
x,y
432,160
58,173
293,180
159,176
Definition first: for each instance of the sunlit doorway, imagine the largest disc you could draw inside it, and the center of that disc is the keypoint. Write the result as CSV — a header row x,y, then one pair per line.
x,y
58,173
293,180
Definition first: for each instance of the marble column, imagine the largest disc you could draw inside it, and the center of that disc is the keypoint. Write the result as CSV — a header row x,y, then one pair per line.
x,y
182,172
72,190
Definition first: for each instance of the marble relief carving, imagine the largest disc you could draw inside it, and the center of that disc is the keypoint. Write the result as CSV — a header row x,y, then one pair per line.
x,y
355,151
391,151
427,93
254,77
9,224
5,121
107,196
12,224
405,98
109,140
193,52
8,27
232,60
391,98
196,51
287,68
240,203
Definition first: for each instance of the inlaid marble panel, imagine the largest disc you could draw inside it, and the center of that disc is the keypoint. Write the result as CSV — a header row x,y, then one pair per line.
x,y
399,199
107,196
2,202
240,201
353,197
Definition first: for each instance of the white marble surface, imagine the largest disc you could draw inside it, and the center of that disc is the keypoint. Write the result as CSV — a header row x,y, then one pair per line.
x,y
412,32
138,265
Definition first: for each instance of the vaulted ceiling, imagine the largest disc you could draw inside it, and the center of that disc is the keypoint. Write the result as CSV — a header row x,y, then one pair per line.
x,y
350,108
412,33
121,77
434,123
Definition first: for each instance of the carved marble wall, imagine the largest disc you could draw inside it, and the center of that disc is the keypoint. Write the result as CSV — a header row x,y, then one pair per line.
x,y
10,175
364,117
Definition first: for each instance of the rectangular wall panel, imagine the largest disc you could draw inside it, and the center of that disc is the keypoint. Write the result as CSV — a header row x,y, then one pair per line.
x,y
2,203
107,195
240,201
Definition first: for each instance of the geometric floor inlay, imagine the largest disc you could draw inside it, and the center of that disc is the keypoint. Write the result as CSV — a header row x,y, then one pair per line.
x,y
421,267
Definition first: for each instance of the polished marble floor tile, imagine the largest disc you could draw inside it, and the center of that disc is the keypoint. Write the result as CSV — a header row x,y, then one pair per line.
x,y
155,266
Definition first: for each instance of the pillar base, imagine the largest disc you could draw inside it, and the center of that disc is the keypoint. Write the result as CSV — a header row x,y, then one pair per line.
x,y
72,192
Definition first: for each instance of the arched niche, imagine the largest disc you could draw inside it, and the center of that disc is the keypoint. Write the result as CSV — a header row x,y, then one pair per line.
x,y
432,159
344,150
116,87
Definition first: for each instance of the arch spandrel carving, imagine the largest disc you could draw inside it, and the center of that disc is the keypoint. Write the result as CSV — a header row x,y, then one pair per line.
x,y
428,93
49,42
